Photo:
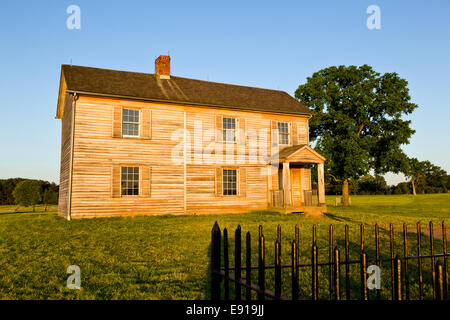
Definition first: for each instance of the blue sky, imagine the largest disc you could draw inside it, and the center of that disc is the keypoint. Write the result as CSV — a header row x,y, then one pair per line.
x,y
269,44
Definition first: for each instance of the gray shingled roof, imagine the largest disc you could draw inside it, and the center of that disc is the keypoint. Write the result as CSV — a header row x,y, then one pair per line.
x,y
179,90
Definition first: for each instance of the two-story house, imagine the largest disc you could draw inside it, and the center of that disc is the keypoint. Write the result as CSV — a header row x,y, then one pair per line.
x,y
137,143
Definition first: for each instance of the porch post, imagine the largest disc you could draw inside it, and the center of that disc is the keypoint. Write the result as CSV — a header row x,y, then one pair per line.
x,y
321,184
286,183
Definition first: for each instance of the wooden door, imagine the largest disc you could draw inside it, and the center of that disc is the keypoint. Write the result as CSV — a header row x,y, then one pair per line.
x,y
296,186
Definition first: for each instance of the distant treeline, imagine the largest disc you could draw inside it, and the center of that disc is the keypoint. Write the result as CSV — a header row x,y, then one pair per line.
x,y
377,185
49,191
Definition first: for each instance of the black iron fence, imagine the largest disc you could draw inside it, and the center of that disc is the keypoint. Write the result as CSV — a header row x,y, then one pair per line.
x,y
399,266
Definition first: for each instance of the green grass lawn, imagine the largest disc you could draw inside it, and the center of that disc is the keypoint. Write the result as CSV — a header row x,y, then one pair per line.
x,y
167,257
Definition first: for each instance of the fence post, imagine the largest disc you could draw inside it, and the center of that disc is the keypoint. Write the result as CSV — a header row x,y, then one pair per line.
x,y
279,233
444,249
347,266
277,268
297,239
377,253
439,285
294,270
330,261
314,270
363,265
215,262
391,245
226,265
405,259
419,261
261,267
237,263
337,274
248,275
432,258
397,278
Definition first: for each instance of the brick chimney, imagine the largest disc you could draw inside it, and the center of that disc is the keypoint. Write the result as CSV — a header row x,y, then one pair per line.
x,y
162,67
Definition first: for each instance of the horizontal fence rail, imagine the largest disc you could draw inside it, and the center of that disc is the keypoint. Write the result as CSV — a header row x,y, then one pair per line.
x,y
338,266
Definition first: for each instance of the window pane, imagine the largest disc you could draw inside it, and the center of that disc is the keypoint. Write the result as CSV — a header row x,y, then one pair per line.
x,y
130,122
229,182
229,128
130,181
283,132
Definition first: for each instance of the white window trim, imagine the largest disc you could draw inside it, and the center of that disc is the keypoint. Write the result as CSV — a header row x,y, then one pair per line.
x,y
289,133
139,124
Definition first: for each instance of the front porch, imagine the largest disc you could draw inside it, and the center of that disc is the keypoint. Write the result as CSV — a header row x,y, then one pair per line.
x,y
292,190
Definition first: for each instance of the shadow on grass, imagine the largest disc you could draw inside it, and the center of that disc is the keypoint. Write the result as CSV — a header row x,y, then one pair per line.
x,y
20,212
339,218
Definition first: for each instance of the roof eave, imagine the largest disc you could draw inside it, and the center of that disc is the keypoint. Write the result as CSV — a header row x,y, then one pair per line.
x,y
181,102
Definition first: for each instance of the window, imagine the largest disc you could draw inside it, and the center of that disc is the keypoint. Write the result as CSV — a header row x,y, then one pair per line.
x,y
130,122
130,181
229,182
229,129
283,132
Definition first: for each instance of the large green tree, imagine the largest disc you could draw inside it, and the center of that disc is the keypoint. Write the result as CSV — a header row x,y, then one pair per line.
x,y
358,123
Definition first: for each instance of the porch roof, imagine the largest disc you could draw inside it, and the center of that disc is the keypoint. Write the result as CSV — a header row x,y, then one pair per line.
x,y
302,153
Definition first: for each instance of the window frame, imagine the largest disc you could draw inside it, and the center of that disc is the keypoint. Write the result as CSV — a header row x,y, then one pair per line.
x,y
225,130
138,123
236,182
130,181
280,133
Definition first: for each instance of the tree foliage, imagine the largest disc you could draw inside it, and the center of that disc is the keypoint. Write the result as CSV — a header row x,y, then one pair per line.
x,y
358,123
27,193
7,186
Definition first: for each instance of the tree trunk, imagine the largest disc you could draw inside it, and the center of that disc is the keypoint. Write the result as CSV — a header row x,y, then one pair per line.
x,y
345,196
45,208
413,186
34,209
